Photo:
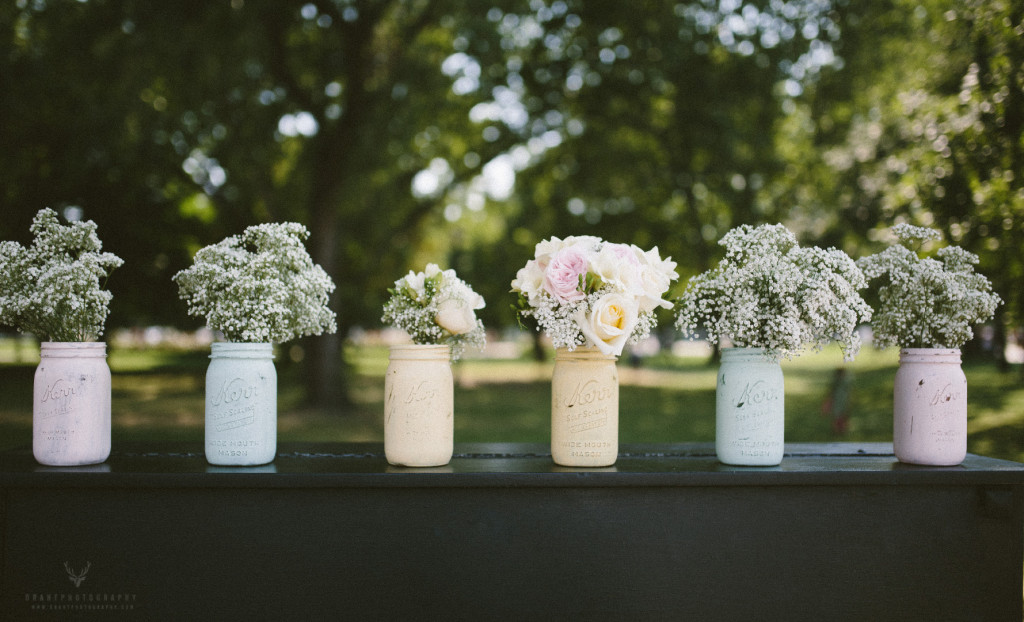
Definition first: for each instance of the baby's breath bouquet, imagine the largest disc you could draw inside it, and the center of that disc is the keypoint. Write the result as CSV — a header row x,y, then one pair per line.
x,y
584,291
768,292
927,302
436,307
52,288
259,287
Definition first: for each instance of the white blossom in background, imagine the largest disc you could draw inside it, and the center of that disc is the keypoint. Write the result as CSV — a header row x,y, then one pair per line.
x,y
583,291
259,287
53,288
436,307
769,293
927,302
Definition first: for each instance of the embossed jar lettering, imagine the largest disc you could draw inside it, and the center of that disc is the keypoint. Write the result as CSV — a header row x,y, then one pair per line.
x,y
930,407
419,406
241,404
71,405
749,409
584,408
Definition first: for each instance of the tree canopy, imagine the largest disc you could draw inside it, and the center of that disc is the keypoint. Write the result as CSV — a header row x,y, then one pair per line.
x,y
394,130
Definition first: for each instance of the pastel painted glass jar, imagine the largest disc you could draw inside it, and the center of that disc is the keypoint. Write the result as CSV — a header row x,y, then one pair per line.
x,y
584,408
71,404
749,409
930,407
419,406
241,404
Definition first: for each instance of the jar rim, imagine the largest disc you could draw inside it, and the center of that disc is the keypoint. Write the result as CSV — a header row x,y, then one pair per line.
x,y
425,351
73,349
583,352
930,355
241,349
752,354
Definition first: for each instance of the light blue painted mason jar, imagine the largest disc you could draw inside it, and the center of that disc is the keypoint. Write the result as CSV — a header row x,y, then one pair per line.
x,y
749,409
241,404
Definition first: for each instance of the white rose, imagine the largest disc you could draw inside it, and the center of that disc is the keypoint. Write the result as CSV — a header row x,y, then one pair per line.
x,y
415,282
456,316
546,249
617,265
656,276
610,323
529,280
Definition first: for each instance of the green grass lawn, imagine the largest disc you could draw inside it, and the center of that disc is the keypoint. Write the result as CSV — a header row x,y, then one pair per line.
x,y
158,395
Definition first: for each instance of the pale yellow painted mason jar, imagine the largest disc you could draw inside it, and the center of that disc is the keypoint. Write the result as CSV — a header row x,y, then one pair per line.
x,y
419,406
584,408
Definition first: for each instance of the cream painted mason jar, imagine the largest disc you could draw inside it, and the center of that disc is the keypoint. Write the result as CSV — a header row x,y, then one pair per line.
x,y
930,407
584,408
241,404
749,409
419,406
71,404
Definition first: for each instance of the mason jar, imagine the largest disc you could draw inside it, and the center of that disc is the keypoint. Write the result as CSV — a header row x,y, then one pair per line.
x,y
419,406
750,423
241,404
584,408
930,407
71,404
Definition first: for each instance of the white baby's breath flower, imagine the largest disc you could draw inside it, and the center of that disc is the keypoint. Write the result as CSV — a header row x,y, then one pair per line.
x,y
767,292
53,289
259,287
927,302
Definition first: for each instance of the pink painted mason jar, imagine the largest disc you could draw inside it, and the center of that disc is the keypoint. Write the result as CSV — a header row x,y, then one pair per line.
x,y
71,404
930,407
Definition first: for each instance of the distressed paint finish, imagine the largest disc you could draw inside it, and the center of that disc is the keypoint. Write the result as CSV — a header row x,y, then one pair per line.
x,y
584,408
71,404
750,421
419,406
241,404
930,407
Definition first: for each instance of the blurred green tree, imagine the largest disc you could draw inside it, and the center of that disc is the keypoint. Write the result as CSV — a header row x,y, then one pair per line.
x,y
922,122
174,126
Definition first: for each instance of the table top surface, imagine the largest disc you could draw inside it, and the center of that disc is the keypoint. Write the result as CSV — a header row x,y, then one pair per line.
x,y
501,464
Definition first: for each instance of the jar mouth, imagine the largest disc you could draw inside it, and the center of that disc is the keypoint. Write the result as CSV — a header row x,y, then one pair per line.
x,y
241,350
417,351
930,355
73,349
588,353
752,355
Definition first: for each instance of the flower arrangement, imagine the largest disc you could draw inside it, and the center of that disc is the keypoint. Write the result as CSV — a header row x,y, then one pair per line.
x,y
258,287
583,291
927,302
52,288
436,307
768,292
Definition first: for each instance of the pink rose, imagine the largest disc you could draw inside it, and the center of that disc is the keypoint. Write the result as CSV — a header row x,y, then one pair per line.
x,y
562,275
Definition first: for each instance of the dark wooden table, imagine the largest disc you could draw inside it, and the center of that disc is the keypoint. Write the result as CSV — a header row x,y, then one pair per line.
x,y
837,532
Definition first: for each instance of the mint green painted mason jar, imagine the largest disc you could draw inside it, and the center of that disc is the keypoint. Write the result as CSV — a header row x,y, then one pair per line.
x,y
749,409
241,404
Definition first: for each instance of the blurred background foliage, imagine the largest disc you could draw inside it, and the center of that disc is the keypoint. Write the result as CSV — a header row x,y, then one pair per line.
x,y
407,131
